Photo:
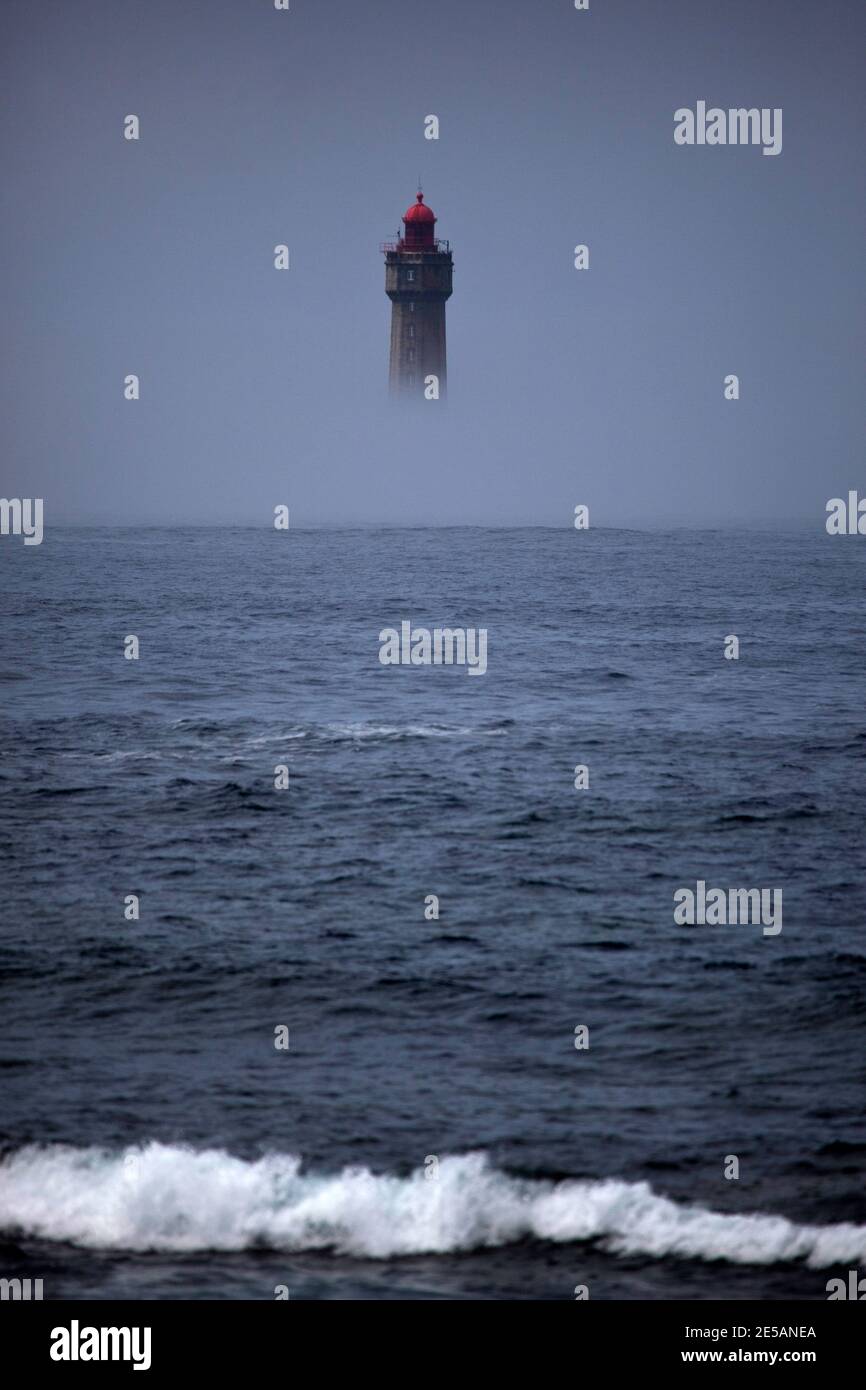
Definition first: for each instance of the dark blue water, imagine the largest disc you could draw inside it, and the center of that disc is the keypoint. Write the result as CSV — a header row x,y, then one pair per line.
x,y
180,1154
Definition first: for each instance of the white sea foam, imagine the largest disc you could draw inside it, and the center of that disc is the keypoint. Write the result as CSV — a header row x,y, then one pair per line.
x,y
164,1197
356,731
338,733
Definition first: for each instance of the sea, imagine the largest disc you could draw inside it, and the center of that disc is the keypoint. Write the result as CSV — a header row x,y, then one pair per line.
x,y
330,979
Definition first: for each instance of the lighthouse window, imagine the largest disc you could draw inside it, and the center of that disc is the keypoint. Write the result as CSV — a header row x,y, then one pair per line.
x,y
411,354
412,306
411,330
410,275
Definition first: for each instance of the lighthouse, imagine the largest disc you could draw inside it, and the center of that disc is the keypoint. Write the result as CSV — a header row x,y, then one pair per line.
x,y
418,271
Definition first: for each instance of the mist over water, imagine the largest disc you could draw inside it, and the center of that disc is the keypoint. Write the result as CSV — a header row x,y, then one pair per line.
x,y
306,128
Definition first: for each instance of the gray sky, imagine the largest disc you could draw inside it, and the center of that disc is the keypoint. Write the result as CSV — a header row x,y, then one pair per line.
x,y
307,127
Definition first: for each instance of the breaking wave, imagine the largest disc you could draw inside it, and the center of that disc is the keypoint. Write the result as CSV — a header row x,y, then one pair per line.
x,y
167,1198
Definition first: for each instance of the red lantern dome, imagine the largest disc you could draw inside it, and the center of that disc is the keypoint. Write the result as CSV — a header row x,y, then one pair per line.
x,y
419,212
419,221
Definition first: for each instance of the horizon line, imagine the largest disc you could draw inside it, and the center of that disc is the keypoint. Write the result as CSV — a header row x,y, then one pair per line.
x,y
698,524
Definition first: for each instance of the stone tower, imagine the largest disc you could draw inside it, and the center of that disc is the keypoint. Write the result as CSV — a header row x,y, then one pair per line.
x,y
418,271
